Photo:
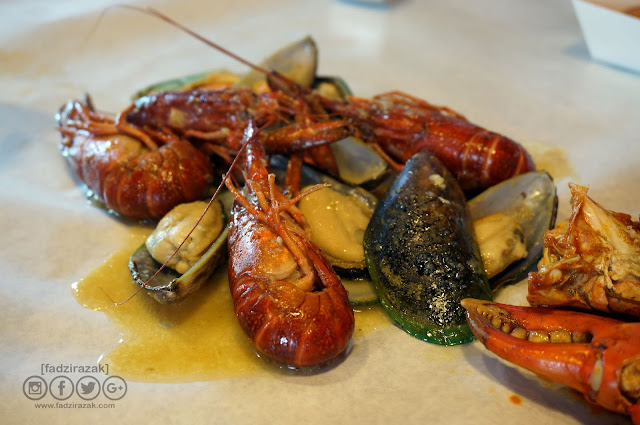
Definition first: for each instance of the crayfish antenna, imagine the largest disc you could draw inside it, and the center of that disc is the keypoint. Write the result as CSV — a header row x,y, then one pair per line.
x,y
156,13
250,135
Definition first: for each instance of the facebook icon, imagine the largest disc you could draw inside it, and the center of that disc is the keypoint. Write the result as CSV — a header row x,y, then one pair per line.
x,y
61,387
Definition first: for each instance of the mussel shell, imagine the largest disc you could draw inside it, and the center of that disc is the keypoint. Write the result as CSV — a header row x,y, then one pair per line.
x,y
297,61
170,287
189,82
532,201
310,176
361,291
332,87
359,164
422,254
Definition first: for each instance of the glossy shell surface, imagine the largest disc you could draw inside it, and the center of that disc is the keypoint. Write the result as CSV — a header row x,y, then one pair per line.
x,y
422,255
168,286
531,200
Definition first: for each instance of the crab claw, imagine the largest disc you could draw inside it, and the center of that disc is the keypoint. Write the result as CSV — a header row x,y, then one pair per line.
x,y
597,356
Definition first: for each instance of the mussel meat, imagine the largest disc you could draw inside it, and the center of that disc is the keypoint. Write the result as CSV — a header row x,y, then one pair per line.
x,y
530,200
501,242
196,260
338,216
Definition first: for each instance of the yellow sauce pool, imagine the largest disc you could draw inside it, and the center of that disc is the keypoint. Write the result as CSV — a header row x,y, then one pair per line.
x,y
552,159
196,340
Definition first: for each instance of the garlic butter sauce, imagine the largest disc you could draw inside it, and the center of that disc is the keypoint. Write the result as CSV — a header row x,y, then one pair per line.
x,y
197,339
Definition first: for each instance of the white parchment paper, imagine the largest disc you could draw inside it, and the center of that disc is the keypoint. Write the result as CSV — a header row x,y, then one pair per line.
x,y
519,67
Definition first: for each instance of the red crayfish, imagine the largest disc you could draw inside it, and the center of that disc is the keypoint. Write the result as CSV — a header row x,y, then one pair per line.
x,y
396,124
287,297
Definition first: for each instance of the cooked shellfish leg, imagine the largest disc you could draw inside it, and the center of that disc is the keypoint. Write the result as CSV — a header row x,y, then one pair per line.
x,y
597,356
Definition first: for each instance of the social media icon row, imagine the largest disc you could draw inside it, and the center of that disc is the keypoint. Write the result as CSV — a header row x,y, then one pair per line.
x,y
62,387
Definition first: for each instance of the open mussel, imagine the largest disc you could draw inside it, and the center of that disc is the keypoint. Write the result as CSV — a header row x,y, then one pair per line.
x,y
338,216
193,264
530,202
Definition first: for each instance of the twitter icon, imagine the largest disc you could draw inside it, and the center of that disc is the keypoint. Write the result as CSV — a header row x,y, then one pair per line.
x,y
88,387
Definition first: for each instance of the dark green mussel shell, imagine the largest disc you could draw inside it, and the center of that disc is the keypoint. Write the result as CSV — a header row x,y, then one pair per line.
x,y
422,255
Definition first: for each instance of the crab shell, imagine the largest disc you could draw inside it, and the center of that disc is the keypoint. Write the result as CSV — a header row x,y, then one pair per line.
x,y
591,261
597,356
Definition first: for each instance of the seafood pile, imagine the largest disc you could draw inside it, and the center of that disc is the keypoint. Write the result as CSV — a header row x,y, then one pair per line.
x,y
289,143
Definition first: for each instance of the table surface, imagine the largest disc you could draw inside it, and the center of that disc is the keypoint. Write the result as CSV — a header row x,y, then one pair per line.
x,y
519,67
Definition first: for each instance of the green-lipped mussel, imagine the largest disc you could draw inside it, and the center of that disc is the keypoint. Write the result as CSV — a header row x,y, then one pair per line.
x,y
530,200
422,255
359,164
193,264
338,216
